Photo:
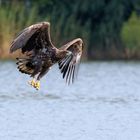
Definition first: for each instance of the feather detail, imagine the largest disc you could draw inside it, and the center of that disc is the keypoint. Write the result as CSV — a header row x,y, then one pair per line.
x,y
69,65
25,66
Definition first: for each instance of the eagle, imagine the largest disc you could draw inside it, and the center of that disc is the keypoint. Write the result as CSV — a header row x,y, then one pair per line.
x,y
40,54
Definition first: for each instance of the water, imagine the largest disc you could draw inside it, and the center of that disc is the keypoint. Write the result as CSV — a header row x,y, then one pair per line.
x,y
104,104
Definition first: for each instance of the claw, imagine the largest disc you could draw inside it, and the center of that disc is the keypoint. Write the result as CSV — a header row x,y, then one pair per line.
x,y
32,82
37,85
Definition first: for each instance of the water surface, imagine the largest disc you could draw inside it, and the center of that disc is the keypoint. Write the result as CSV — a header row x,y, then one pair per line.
x,y
103,104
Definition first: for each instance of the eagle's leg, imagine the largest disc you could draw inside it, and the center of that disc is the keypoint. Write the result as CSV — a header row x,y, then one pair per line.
x,y
39,76
35,83
43,72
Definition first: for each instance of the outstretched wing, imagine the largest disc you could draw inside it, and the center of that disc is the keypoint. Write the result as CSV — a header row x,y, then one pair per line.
x,y
69,64
36,36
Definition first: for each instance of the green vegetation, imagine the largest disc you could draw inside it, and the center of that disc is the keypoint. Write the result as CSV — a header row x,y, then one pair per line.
x,y
131,36
13,18
104,26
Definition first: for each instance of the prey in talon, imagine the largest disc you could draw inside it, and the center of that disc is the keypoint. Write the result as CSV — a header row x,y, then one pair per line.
x,y
39,54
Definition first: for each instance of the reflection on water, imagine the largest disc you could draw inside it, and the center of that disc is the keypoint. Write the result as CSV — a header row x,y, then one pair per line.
x,y
103,104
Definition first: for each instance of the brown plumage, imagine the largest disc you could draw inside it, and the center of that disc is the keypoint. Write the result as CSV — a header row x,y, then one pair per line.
x,y
35,42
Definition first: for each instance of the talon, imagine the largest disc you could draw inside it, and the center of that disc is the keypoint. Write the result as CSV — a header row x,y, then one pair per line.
x,y
37,85
32,82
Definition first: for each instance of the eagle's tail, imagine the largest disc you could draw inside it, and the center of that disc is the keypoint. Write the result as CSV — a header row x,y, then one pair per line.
x,y
25,65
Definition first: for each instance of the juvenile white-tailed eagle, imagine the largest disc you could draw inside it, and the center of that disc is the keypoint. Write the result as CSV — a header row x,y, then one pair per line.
x,y
40,54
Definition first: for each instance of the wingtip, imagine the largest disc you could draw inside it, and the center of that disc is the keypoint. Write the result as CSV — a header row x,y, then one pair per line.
x,y
81,42
46,23
79,39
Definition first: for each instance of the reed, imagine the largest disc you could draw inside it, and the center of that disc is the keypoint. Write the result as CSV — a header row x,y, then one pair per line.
x,y
13,18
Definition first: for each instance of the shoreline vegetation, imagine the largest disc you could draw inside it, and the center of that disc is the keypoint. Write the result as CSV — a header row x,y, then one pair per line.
x,y
105,37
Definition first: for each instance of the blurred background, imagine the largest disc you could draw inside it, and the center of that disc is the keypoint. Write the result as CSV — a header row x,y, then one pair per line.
x,y
110,28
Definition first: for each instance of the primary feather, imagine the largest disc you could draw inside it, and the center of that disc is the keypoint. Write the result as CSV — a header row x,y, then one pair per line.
x,y
69,65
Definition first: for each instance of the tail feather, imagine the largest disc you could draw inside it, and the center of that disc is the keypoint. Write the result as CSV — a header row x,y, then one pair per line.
x,y
25,65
